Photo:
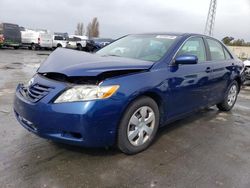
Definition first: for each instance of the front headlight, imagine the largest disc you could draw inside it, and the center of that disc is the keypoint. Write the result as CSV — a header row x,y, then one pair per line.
x,y
86,93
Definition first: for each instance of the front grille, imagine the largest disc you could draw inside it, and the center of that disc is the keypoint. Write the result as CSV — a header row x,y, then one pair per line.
x,y
35,92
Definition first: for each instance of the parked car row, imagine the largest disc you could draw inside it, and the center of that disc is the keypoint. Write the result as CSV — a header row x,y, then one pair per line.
x,y
11,35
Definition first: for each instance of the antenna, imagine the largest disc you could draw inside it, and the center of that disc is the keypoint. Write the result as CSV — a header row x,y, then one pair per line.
x,y
211,18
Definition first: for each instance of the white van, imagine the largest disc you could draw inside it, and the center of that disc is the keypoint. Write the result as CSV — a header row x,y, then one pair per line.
x,y
36,39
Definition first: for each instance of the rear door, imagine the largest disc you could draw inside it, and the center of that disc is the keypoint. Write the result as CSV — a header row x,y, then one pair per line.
x,y
223,65
11,33
190,84
46,40
72,42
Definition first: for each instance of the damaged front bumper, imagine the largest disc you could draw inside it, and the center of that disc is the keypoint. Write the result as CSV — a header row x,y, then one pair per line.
x,y
89,123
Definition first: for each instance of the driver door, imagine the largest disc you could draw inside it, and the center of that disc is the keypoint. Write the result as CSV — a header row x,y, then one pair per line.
x,y
189,83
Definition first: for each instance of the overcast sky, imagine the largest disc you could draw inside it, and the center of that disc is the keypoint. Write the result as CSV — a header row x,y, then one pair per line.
x,y
120,17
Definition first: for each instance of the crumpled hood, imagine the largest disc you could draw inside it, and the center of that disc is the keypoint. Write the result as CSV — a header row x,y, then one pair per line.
x,y
77,63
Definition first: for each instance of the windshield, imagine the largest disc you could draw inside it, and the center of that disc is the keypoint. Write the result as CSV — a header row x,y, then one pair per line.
x,y
143,47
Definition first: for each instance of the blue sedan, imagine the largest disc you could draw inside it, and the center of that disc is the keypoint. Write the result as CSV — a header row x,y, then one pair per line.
x,y
124,92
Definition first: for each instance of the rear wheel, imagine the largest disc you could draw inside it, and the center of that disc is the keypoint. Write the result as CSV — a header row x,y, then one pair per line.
x,y
230,99
138,126
33,47
79,47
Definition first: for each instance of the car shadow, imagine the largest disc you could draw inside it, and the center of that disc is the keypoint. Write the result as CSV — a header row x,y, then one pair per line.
x,y
207,113
98,151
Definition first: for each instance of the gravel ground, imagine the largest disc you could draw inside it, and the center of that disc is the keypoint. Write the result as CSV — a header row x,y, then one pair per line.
x,y
209,149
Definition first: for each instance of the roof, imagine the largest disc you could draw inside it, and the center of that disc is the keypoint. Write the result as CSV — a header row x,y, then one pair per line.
x,y
171,33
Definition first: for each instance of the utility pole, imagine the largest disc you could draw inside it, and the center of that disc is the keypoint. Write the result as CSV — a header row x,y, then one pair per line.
x,y
211,18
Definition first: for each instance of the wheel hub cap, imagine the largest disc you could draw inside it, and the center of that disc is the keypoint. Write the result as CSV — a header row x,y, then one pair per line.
x,y
232,94
141,126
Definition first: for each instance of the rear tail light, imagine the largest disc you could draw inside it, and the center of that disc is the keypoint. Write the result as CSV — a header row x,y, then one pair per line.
x,y
38,40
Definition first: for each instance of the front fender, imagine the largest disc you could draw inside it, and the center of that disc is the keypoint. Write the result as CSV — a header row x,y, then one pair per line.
x,y
150,83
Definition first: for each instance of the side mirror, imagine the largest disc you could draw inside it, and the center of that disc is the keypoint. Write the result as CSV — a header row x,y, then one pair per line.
x,y
186,59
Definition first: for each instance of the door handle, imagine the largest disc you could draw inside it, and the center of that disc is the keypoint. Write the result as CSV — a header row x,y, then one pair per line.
x,y
208,69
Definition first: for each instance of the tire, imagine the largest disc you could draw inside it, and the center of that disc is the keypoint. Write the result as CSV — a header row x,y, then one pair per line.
x,y
79,47
16,47
141,122
33,47
230,99
59,46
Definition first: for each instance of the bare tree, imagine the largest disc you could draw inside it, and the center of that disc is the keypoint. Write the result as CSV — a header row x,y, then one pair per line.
x,y
89,32
80,29
93,28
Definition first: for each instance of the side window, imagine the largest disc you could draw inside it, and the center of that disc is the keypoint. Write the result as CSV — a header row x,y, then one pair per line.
x,y
77,39
227,54
216,50
194,46
58,38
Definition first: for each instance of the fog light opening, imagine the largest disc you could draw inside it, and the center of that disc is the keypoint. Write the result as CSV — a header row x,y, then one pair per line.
x,y
72,135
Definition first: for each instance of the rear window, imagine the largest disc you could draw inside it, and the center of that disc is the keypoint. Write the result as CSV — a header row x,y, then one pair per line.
x,y
72,39
216,50
10,27
77,39
58,38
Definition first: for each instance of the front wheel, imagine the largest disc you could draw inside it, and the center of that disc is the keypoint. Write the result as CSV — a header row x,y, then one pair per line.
x,y
138,126
230,99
